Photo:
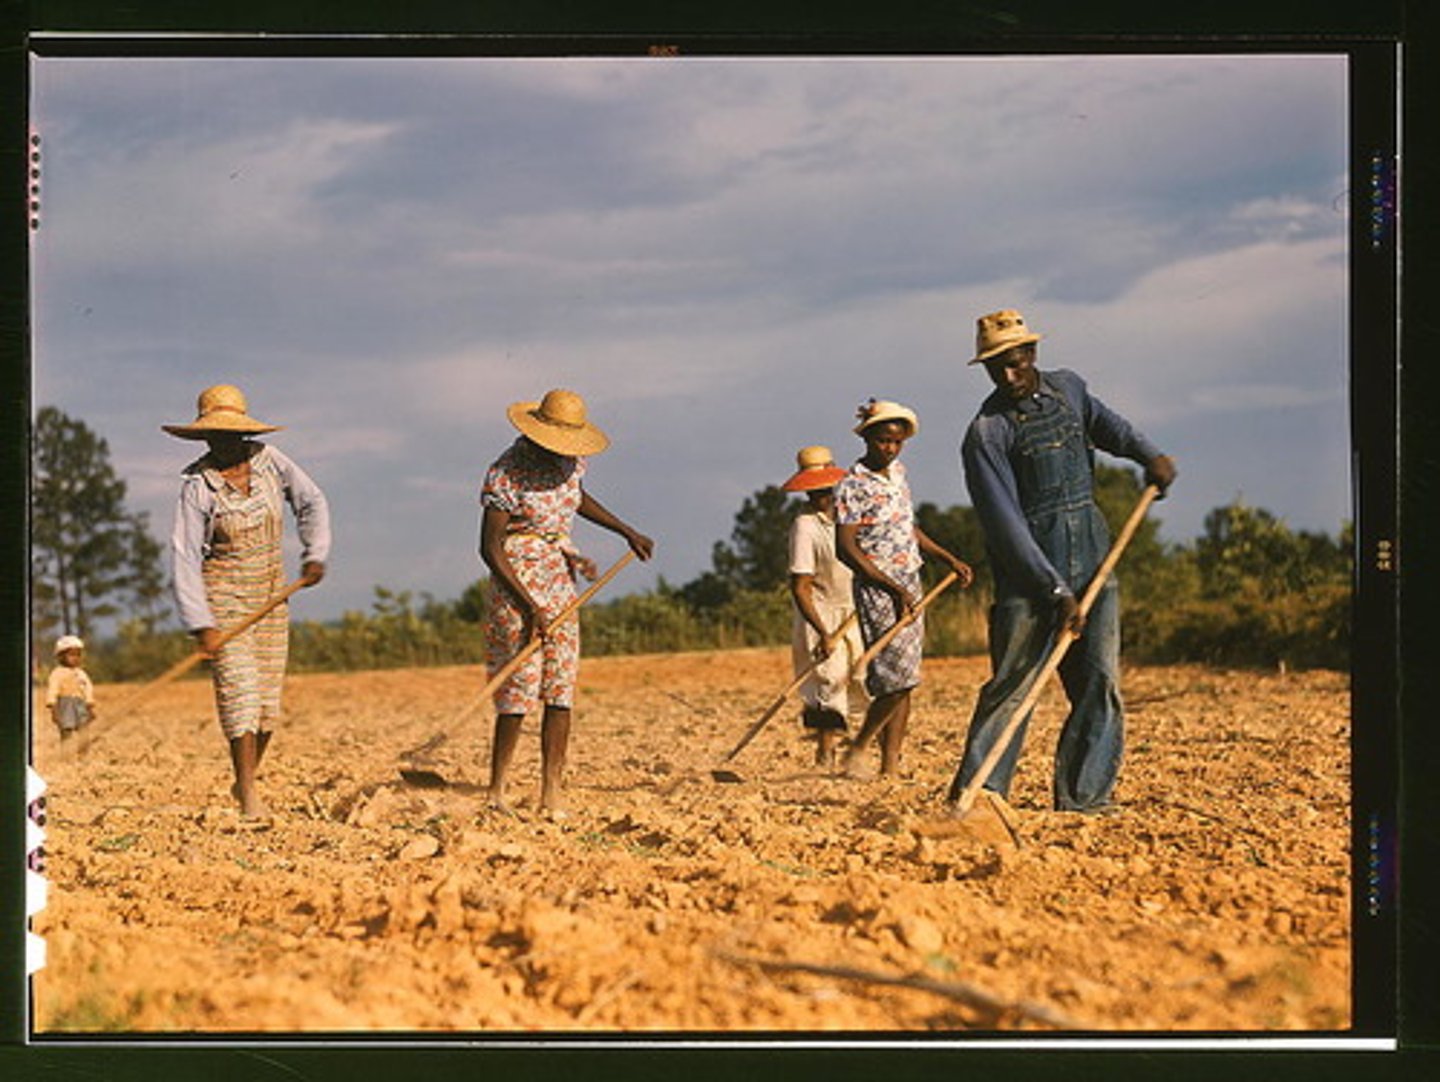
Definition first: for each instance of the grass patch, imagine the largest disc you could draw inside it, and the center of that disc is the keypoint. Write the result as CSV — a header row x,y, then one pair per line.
x,y
92,1012
796,870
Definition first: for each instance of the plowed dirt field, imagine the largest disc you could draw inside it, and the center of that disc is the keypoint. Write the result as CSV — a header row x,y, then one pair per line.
x,y
796,901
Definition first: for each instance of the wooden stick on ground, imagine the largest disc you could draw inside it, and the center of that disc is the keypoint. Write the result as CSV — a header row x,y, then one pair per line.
x,y
962,991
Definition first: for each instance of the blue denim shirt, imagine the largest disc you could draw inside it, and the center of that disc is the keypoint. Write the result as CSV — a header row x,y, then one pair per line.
x,y
1029,468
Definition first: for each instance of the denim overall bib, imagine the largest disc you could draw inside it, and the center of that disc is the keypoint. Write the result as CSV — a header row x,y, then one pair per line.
x,y
1053,463
1054,468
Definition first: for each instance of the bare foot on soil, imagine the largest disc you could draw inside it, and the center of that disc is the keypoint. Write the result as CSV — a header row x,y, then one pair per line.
x,y
853,768
552,804
251,806
825,750
494,802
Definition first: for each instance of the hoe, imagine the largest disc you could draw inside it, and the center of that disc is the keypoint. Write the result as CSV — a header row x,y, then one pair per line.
x,y
723,774
430,779
186,664
959,818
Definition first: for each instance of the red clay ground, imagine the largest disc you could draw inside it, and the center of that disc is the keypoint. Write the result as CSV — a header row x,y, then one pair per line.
x,y
1217,899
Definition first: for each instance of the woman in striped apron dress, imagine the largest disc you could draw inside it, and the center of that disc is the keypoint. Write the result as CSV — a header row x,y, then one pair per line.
x,y
530,498
227,565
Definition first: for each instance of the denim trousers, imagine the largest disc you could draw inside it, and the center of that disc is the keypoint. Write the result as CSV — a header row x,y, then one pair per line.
x,y
1052,463
1087,757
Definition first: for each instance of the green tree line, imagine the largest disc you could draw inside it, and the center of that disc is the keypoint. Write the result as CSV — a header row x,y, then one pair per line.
x,y
1249,591
91,559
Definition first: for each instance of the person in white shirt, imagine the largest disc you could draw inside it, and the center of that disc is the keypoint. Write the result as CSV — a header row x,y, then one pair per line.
x,y
825,635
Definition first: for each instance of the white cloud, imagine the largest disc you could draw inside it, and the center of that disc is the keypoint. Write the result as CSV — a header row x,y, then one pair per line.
x,y
183,200
723,256
331,438
1189,335
445,488
1244,397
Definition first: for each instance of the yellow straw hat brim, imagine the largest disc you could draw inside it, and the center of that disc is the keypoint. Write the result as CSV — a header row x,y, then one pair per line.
x,y
996,350
221,422
561,437
890,411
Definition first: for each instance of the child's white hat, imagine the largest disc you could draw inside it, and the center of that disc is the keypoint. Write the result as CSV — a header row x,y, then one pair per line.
x,y
68,642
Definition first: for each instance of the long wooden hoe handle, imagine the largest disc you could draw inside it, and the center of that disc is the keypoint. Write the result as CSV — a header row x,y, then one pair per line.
x,y
790,689
1057,653
895,629
185,664
507,670
864,659
901,624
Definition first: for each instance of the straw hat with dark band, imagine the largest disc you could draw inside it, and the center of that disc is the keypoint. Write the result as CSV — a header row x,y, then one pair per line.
x,y
817,470
557,423
999,331
221,408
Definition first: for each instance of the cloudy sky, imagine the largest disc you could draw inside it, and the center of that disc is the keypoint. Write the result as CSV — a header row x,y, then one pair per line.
x,y
725,257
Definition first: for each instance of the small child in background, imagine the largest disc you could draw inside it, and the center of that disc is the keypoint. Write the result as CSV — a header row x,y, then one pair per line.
x,y
69,694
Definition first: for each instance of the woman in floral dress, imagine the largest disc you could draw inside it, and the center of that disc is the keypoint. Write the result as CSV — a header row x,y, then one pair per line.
x,y
877,536
227,564
530,498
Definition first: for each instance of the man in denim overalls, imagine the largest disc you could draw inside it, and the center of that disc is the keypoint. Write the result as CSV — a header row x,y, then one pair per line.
x,y
1029,458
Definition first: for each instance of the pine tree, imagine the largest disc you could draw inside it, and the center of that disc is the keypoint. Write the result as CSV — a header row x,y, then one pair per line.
x,y
90,558
758,555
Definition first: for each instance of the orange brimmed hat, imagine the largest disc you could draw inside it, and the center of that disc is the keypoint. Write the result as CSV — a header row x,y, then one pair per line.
x,y
557,423
1000,331
817,470
221,408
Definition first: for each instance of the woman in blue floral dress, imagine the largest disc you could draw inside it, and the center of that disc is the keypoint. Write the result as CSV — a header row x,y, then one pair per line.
x,y
530,498
878,537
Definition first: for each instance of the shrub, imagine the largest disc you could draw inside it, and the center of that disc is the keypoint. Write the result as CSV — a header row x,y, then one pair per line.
x,y
136,653
644,623
957,623
1295,630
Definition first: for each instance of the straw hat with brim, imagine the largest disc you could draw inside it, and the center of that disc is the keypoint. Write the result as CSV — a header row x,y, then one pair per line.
x,y
817,470
557,423
877,412
221,408
999,331
68,642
